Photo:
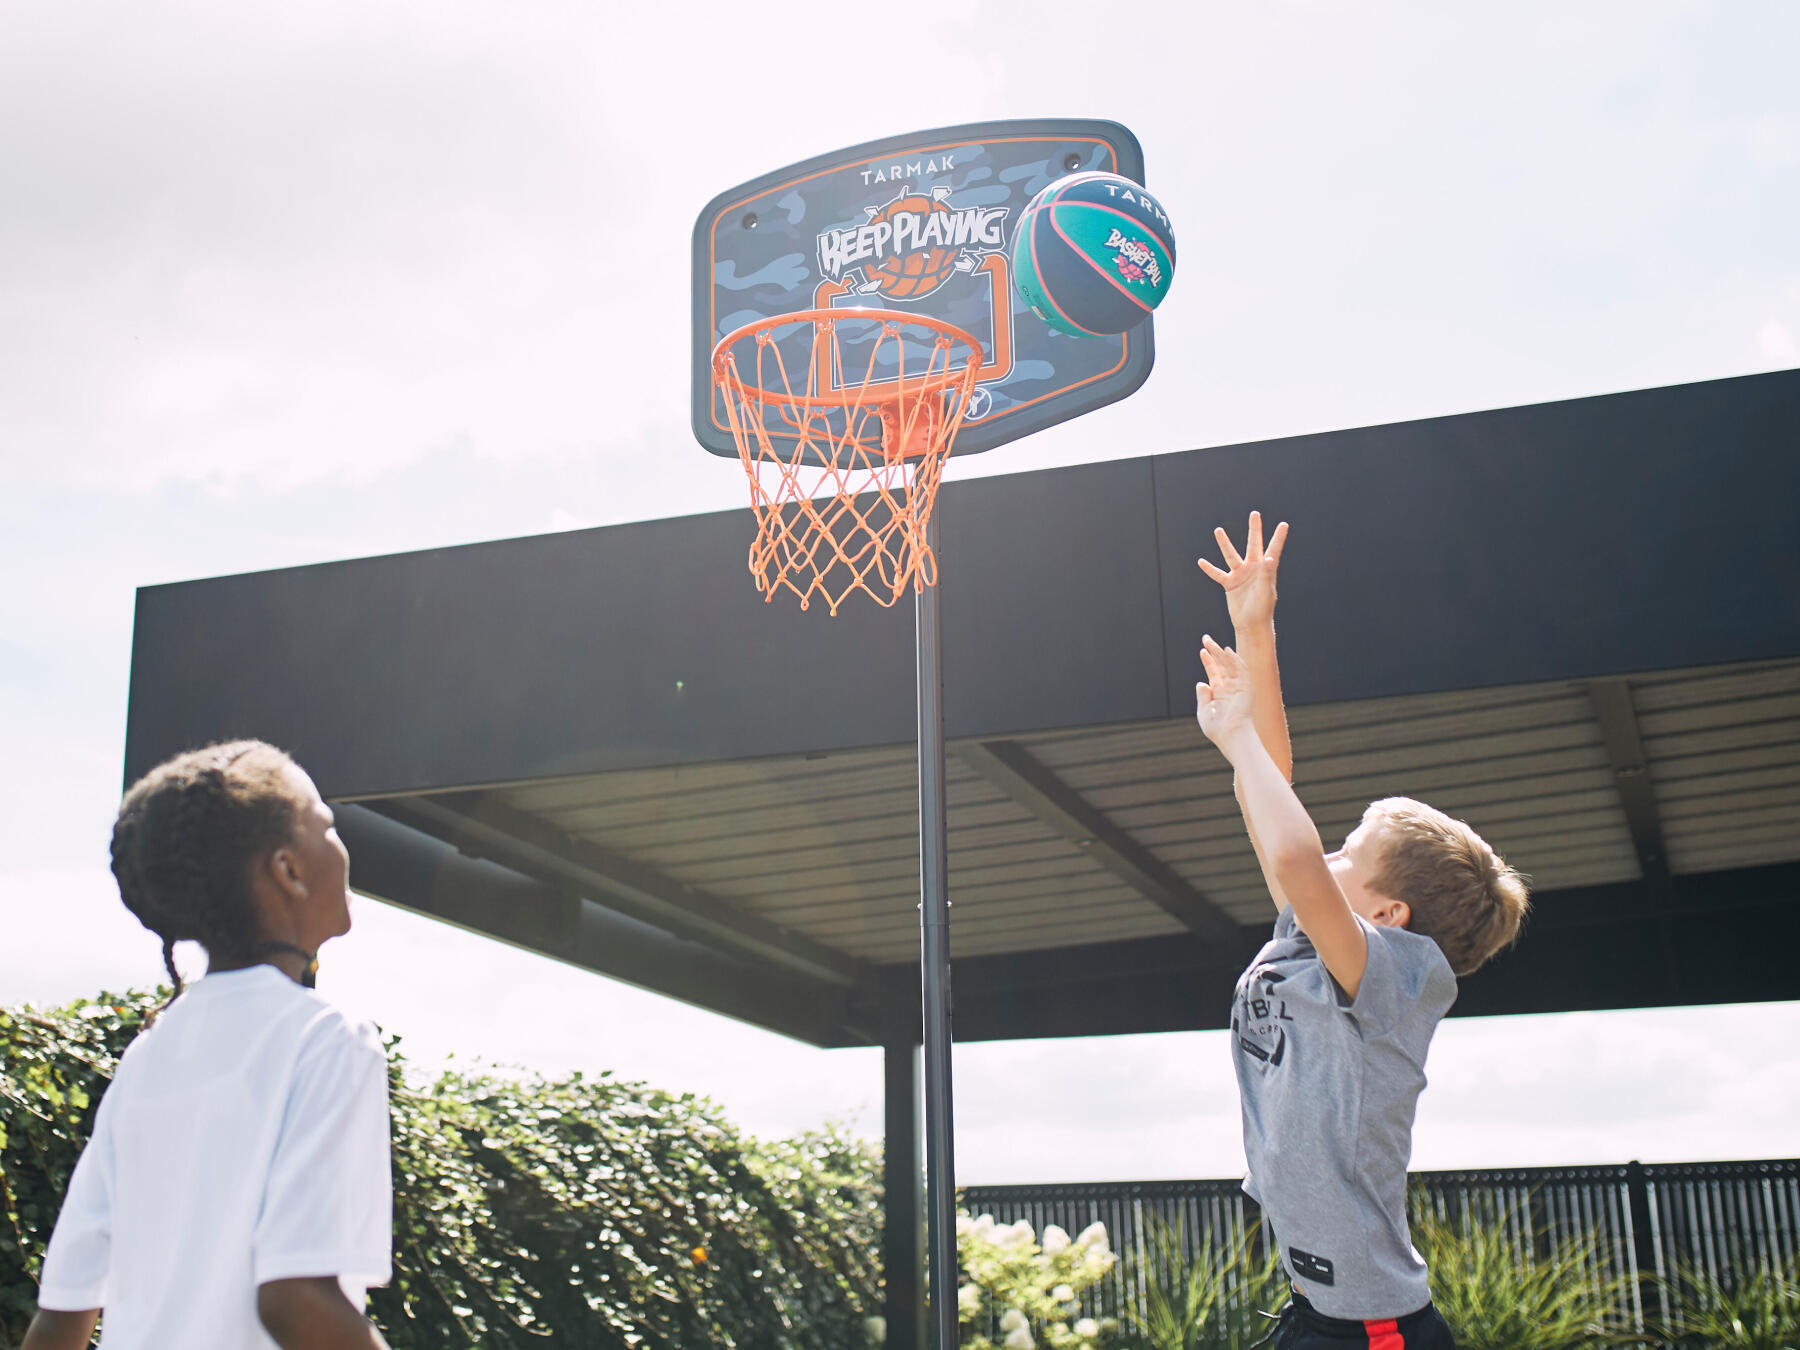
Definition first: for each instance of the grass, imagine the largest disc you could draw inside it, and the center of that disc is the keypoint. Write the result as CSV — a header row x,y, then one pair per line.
x,y
1211,1300
1760,1311
1496,1296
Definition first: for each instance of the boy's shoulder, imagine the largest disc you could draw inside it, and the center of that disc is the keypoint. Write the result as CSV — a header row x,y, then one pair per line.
x,y
256,1003
329,1027
1407,981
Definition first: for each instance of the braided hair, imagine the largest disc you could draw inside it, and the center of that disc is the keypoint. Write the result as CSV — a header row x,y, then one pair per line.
x,y
188,836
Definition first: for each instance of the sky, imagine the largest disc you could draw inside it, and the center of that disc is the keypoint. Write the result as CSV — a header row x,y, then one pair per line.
x,y
283,284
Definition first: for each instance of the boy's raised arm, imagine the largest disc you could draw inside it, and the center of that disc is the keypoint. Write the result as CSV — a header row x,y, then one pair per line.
x,y
1249,588
1289,847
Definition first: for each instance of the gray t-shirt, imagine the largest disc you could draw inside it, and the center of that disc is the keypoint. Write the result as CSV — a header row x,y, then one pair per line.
x,y
1329,1091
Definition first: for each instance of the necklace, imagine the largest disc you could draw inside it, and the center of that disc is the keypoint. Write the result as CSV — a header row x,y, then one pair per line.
x,y
309,973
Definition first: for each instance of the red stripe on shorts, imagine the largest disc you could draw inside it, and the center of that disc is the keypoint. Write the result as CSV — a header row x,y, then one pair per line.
x,y
1384,1335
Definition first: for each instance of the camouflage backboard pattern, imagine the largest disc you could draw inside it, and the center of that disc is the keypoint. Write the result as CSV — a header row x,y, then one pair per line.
x,y
920,223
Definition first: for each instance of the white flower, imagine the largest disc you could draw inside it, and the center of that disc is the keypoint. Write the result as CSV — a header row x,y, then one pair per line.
x,y
1087,1326
877,1329
1011,1320
1095,1233
963,1224
1020,1339
983,1227
1055,1240
1062,1293
968,1301
1013,1235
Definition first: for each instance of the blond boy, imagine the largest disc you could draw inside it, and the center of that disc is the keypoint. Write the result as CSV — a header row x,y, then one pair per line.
x,y
1332,1021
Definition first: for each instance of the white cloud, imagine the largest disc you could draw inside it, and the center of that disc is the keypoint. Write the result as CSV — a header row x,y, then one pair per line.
x,y
562,519
1665,1085
1778,343
450,992
1662,1085
1773,143
328,241
67,936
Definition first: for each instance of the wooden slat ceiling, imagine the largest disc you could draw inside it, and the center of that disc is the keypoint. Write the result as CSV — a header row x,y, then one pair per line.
x,y
828,847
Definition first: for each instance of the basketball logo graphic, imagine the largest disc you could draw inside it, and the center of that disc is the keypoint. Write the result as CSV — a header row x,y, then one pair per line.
x,y
905,276
911,245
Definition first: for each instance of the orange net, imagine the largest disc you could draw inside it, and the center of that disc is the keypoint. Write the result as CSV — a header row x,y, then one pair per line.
x,y
844,469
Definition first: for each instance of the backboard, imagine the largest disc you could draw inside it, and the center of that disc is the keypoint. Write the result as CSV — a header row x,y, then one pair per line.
x,y
916,223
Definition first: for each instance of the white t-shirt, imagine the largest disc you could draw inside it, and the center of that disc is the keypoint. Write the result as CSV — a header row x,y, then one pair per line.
x,y
244,1139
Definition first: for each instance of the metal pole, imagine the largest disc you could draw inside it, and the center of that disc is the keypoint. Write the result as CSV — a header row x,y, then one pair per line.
x,y
903,1177
934,967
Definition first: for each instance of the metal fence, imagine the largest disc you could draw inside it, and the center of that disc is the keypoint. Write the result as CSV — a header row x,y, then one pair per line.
x,y
1729,1220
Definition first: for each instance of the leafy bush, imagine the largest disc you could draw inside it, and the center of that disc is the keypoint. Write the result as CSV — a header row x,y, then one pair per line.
x,y
1026,1292
1498,1297
1211,1300
608,1213
53,1069
1758,1312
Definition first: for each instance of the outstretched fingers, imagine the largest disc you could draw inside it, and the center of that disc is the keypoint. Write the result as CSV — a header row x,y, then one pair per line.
x,y
1246,565
1220,662
1223,664
1276,541
1226,547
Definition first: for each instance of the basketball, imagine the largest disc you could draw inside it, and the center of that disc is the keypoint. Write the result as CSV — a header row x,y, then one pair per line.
x,y
1094,254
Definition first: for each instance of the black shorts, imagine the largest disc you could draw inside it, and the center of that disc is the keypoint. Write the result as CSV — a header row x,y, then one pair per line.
x,y
1303,1327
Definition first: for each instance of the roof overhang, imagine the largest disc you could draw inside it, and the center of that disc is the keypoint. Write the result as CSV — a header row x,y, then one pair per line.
x,y
1577,624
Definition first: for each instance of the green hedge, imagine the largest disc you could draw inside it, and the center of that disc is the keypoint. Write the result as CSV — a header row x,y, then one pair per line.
x,y
606,1213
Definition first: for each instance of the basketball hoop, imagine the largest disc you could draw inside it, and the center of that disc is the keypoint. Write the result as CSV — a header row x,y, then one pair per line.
x,y
844,470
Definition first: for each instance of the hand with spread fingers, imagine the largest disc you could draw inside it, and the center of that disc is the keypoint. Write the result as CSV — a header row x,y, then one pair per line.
x,y
1250,582
1223,699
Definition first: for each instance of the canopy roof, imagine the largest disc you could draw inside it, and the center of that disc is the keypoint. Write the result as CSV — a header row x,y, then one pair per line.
x,y
1577,625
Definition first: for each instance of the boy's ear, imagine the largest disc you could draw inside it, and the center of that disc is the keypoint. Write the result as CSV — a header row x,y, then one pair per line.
x,y
1393,914
283,869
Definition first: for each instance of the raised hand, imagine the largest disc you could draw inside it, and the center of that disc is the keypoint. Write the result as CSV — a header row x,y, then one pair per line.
x,y
1223,699
1250,582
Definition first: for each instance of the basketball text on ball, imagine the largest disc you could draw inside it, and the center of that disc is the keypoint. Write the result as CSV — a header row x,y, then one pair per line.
x,y
1135,260
1143,200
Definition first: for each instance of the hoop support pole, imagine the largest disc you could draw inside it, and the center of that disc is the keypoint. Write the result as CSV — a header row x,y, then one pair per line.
x,y
934,968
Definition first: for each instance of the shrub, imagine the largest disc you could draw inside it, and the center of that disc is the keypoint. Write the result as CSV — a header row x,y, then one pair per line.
x,y
1026,1293
605,1212
53,1069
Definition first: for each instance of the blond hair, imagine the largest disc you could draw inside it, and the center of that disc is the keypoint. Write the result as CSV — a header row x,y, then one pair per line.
x,y
1461,893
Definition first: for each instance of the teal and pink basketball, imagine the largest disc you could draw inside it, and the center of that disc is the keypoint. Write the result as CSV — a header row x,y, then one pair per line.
x,y
1094,254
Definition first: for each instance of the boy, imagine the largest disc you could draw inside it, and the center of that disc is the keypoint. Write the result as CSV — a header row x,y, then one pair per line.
x,y
235,1192
1332,1020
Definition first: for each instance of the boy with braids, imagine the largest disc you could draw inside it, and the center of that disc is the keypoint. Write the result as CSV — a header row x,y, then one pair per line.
x,y
1332,1021
235,1192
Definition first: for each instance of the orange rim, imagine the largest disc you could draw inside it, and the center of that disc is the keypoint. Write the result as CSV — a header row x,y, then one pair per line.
x,y
862,523
724,365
